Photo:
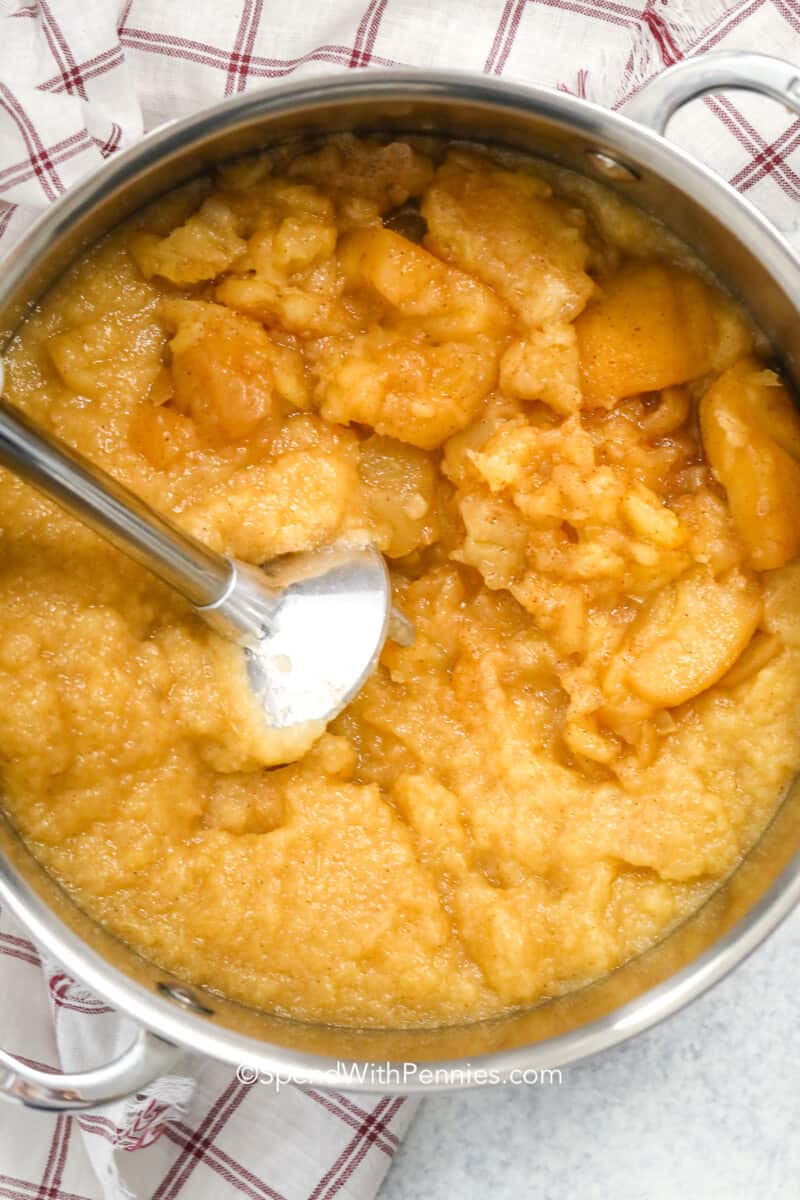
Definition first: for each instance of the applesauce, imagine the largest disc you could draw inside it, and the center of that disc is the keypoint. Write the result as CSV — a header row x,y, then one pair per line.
x,y
571,447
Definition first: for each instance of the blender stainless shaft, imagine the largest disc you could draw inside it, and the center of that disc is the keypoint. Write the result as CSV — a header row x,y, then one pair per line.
x,y
89,494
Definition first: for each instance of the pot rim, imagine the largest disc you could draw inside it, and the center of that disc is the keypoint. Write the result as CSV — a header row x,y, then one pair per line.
x,y
387,85
607,131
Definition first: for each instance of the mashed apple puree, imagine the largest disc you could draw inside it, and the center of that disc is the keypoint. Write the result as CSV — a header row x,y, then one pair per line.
x,y
559,431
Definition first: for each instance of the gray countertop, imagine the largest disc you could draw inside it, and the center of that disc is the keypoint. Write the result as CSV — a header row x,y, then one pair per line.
x,y
704,1107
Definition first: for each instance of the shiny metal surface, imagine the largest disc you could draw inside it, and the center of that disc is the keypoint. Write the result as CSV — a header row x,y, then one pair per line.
x,y
318,622
312,625
147,1057
111,510
747,254
737,70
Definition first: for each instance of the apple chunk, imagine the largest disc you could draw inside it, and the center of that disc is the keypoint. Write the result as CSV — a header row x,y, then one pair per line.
x,y
751,436
689,634
424,292
654,326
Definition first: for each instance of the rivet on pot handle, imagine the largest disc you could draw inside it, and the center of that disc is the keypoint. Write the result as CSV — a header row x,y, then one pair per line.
x,y
656,102
144,1060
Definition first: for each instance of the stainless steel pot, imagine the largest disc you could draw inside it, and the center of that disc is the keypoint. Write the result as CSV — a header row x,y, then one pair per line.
x,y
630,153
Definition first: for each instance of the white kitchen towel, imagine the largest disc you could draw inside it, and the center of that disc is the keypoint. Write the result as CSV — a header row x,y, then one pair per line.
x,y
203,1133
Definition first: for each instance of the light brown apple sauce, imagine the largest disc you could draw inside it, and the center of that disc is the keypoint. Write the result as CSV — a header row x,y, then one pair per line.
x,y
587,482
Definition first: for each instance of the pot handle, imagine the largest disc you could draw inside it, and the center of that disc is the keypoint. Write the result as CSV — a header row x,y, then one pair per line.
x,y
658,100
145,1059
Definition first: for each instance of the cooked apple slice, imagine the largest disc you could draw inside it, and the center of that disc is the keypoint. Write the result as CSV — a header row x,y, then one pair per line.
x,y
424,292
653,327
689,634
751,436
